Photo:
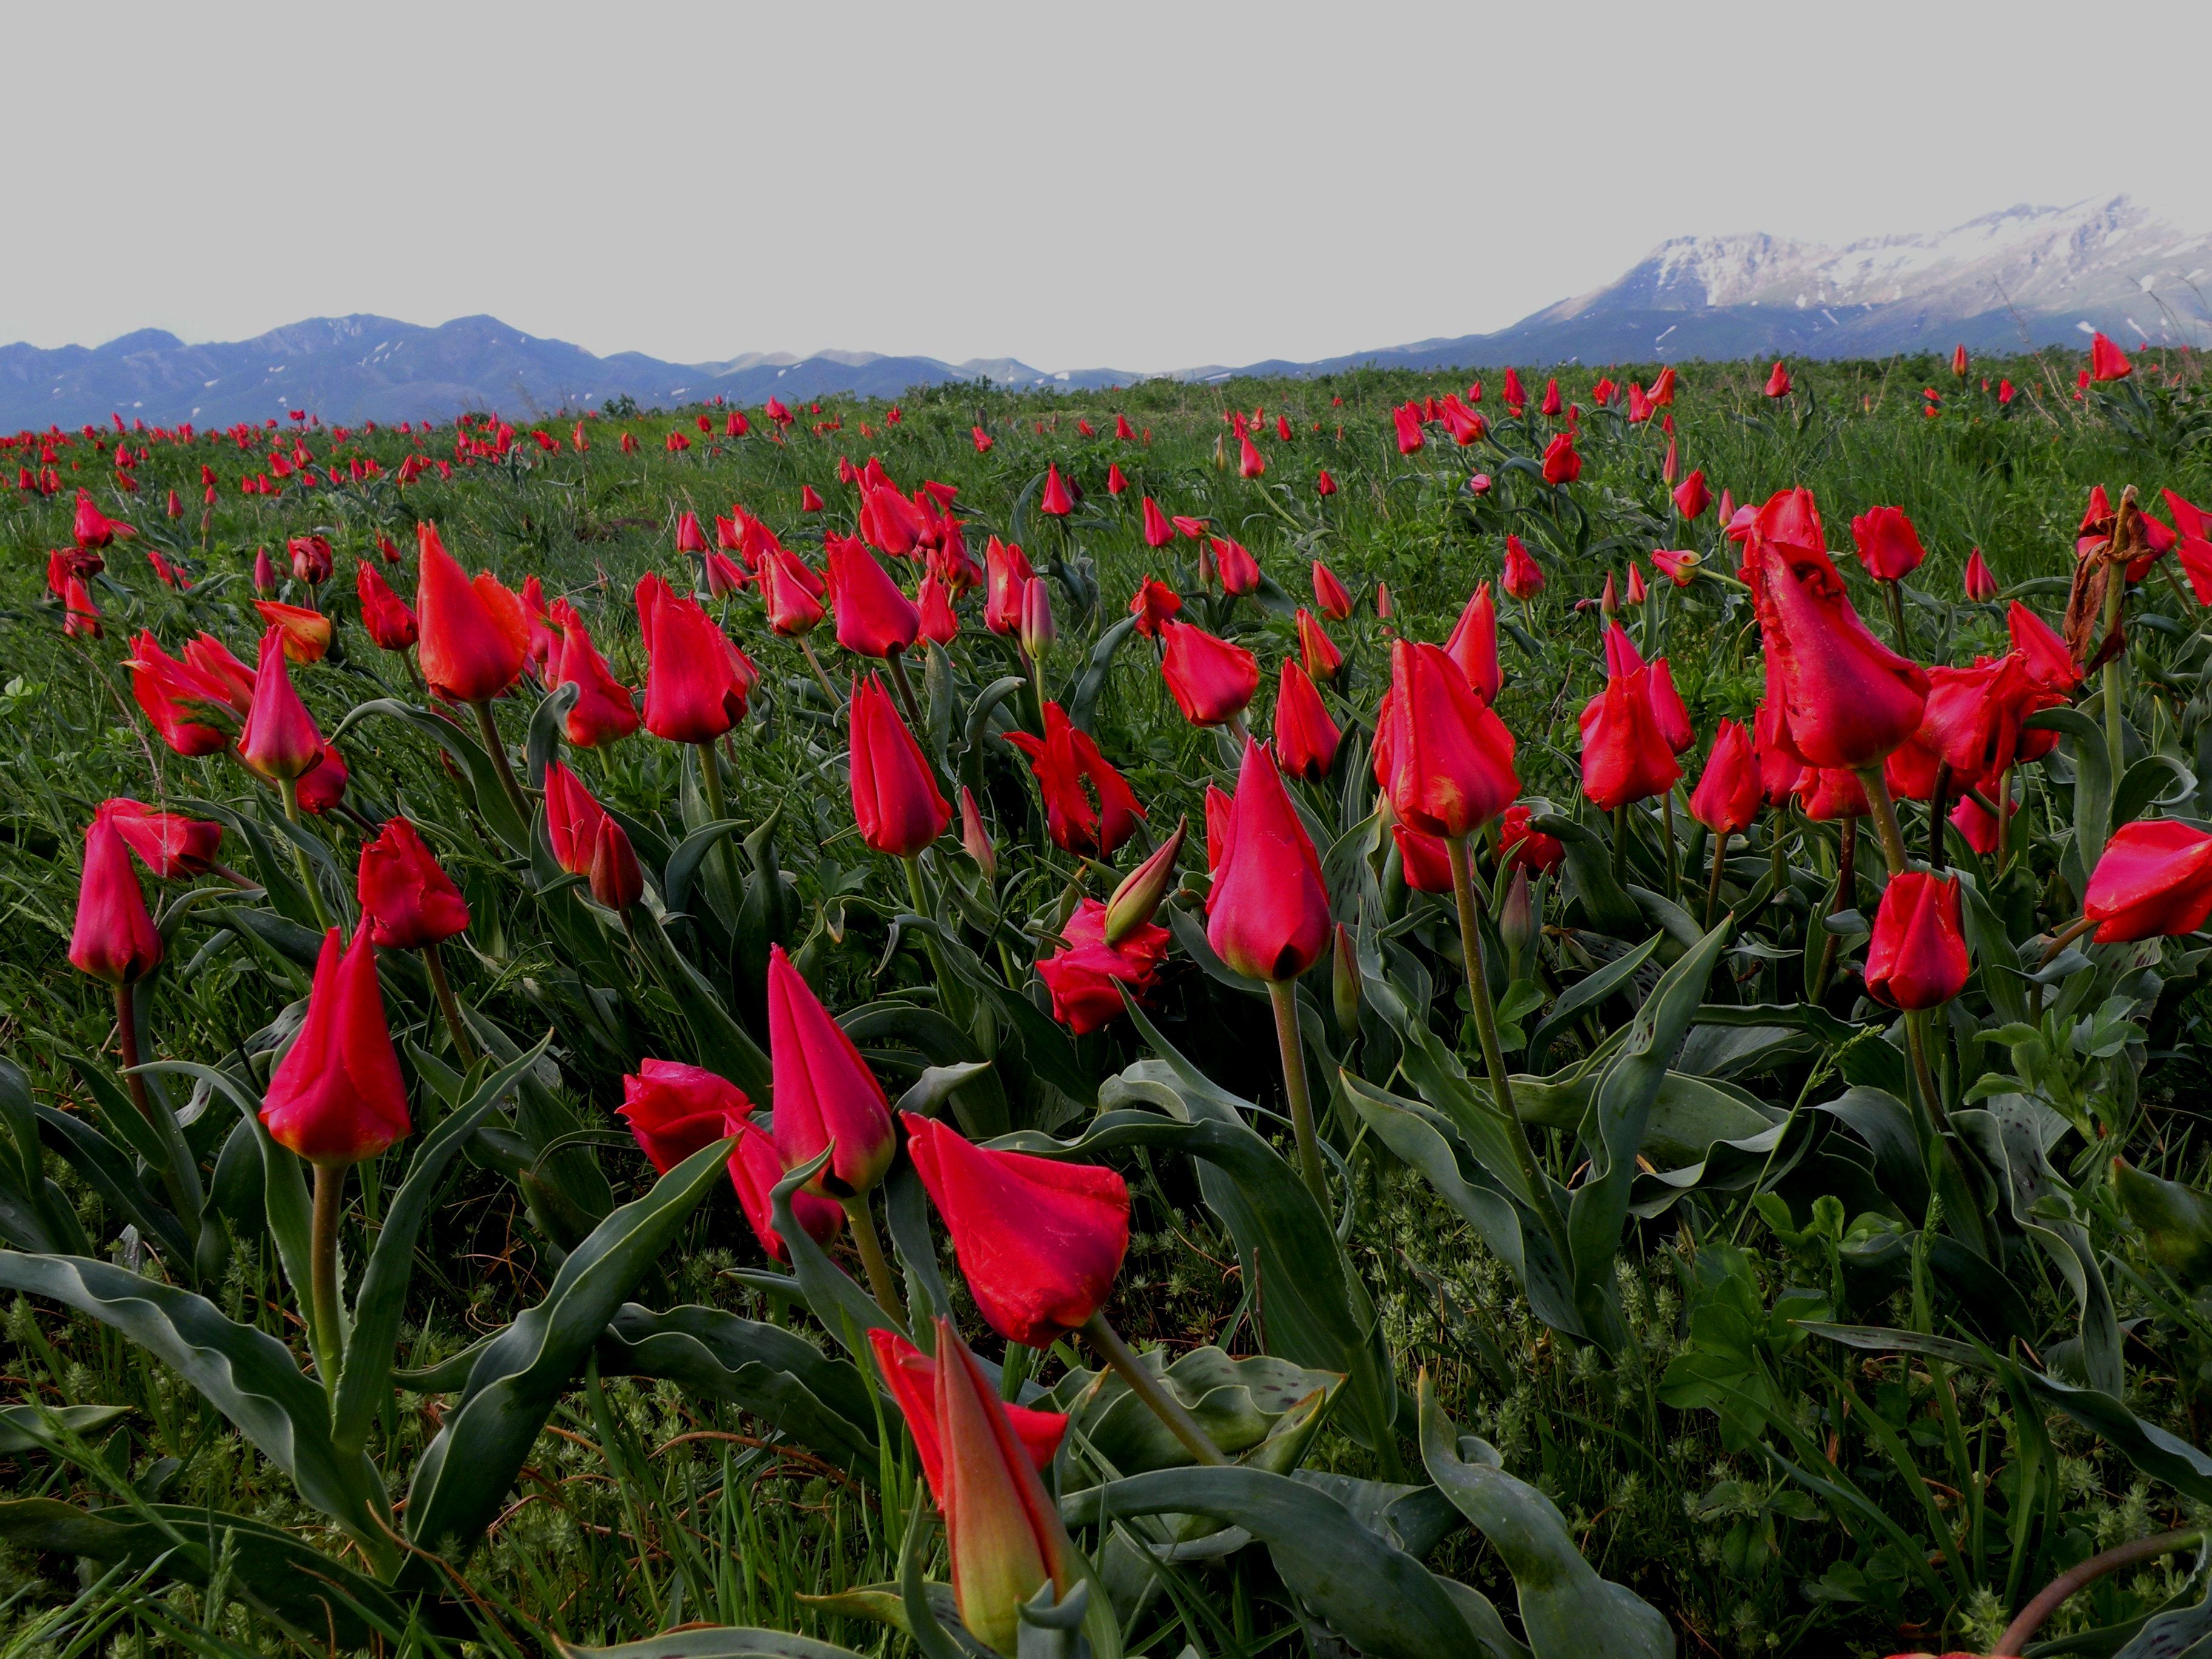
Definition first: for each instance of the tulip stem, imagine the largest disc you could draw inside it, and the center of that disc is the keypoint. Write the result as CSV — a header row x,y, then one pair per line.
x,y
2116,593
950,995
435,962
126,1030
1486,1017
2066,936
1673,870
904,686
488,729
710,780
330,1323
1284,994
1885,818
290,788
1621,843
1939,804
1151,1389
1816,984
836,703
1894,594
881,1282
2005,819
1720,868
1916,1034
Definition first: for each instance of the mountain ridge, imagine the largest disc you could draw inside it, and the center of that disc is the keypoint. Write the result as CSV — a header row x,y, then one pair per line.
x,y
2023,277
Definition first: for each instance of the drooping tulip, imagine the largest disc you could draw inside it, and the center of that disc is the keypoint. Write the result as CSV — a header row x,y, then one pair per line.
x,y
1085,979
279,739
170,844
1426,860
823,1090
1212,679
2046,654
1267,914
1729,794
1916,957
406,897
386,617
1981,586
193,712
113,938
896,801
1064,760
322,787
474,635
2153,879
337,1096
1887,544
605,711
1977,823
1444,758
307,632
1306,738
1474,645
1844,699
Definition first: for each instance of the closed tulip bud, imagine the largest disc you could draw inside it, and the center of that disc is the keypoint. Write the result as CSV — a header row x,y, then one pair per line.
x,y
616,880
603,710
1211,678
406,897
264,572
2153,879
1981,586
1916,957
474,635
1139,895
572,818
1728,795
1958,361
1158,531
2107,362
1444,759
1317,651
975,838
1680,566
1474,645
1250,464
1039,1241
874,618
1330,597
1778,383
1240,571
1306,738
114,937
1382,612
1324,486
1523,578
693,693
938,621
1888,546
1344,984
1038,630
823,1090
1518,925
385,615
896,799
1267,914
337,1096
1408,419
1055,499
1635,583
1691,495
279,739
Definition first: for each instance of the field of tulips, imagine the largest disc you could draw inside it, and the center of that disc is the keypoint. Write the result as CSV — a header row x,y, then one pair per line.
x,y
1379,1015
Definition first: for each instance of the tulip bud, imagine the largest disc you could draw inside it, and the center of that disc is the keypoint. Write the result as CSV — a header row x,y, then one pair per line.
x,y
1038,630
264,572
975,838
617,881
1344,984
1141,890
1381,602
1517,926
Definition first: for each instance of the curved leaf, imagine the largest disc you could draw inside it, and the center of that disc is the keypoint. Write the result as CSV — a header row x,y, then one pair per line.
x,y
1586,992
487,795
716,1642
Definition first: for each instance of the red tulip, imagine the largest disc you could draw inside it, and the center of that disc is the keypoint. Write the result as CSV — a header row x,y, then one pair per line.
x,y
1562,465
572,818
1038,1241
1519,842
793,608
1064,759
1973,716
1153,604
615,881
1330,597
324,788
1981,586
1267,914
2107,361
1680,566
307,632
724,578
1514,395
1636,590
2153,879
1778,383
1977,823
1037,629
810,499
406,897
1524,577
279,739
1250,464
1426,860
1409,420
95,529
1888,545
114,939
1728,795
192,711
1306,738
1117,482
1007,575
1240,571
938,622
874,618
1317,651
604,711
2047,656
1691,495
337,1096
673,1110
1055,499
169,844
1158,533
1625,756
1324,486
1085,979
692,692
1474,645
1003,1532
475,636
1444,758
911,1376
1959,360
896,799
1846,699
1916,957
1211,679
312,558
384,614
823,1090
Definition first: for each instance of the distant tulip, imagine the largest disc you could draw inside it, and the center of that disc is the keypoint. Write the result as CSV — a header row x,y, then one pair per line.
x,y
1117,482
406,897
2106,361
1158,533
1064,760
337,1096
385,615
896,799
1409,420
1055,499
311,558
1250,464
1916,957
170,844
1324,486
2153,879
1958,361
279,739
1636,591
475,636
1330,597
823,1090
1153,603
1383,611
1306,738
1524,577
1625,755
1211,678
1728,795
1515,395
1317,653
1551,405
982,439
1691,495
1887,544
1778,383
1562,465
1981,586
1267,914
114,937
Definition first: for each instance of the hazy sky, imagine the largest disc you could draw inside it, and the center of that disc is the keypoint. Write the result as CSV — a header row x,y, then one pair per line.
x,y
1143,187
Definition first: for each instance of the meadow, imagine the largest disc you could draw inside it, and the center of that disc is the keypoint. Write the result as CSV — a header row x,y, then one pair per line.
x,y
679,1032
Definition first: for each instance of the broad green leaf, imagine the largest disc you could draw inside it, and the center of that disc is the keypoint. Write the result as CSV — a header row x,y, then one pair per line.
x,y
2176,1221
1589,867
464,1476
1587,994
546,729
109,1171
1239,1401
2092,785
683,865
30,1428
1567,1610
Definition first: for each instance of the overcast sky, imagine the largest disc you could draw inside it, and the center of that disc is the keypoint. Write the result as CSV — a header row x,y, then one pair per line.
x,y
1134,185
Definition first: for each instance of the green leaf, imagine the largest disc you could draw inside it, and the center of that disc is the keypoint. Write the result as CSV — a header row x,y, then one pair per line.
x,y
846,1310
979,724
2155,780
487,795
2175,1221
716,1642
244,1373
1373,1594
34,1216
1566,1607
684,863
109,1171
819,1404
464,1474
365,1382
1589,866
1083,701
547,726
1632,1082
156,1139
31,1428
1237,1401
2093,784
1587,993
